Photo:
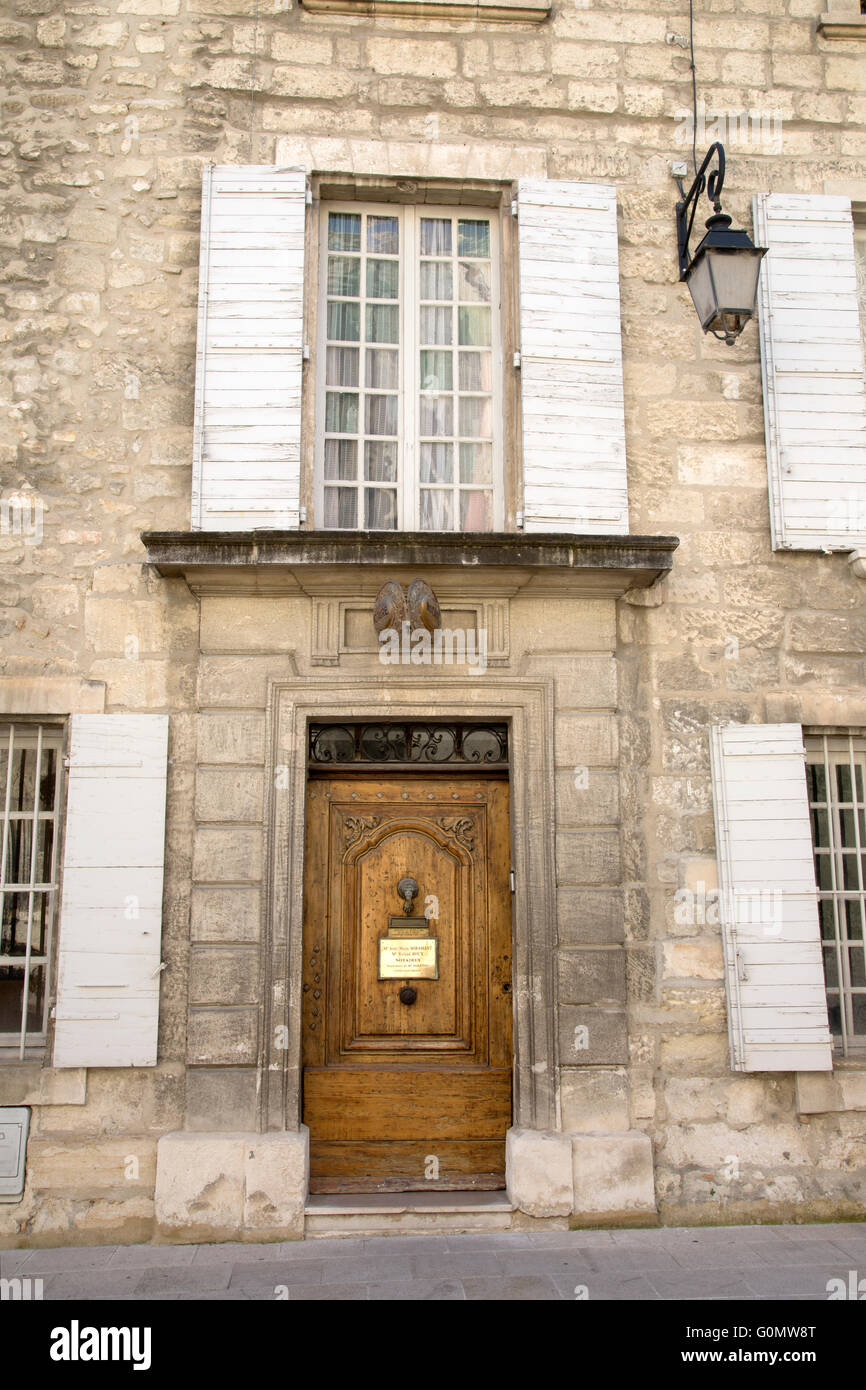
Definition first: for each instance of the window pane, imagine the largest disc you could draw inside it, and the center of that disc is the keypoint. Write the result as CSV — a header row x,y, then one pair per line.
x,y
828,919
13,936
476,371
341,412
436,510
475,282
817,782
381,415
846,829
383,323
383,368
381,509
342,366
23,787
344,276
383,235
854,920
436,325
340,508
474,327
344,231
820,828
476,417
475,511
843,782
831,969
383,279
436,371
436,236
11,998
473,238
341,458
437,415
436,463
824,871
858,1009
19,849
858,966
436,280
380,462
476,463
344,321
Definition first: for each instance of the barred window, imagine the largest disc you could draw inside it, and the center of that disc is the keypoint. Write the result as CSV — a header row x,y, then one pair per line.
x,y
30,780
836,769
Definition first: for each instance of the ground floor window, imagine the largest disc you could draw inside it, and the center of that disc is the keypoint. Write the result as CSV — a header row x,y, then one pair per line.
x,y
836,768
30,781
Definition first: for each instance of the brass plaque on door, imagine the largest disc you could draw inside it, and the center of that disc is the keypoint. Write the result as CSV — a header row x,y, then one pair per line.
x,y
408,958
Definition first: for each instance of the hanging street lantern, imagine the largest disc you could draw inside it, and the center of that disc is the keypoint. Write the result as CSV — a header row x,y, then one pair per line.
x,y
722,275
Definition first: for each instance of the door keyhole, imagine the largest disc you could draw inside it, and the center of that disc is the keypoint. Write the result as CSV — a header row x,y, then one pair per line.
x,y
408,994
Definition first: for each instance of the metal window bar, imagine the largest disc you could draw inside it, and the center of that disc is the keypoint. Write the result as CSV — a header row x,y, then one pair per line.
x,y
20,738
832,753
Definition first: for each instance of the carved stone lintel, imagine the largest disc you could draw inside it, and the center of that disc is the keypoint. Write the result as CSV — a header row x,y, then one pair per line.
x,y
462,829
356,826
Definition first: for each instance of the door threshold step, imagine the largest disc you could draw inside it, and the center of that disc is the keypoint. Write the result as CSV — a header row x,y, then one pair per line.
x,y
394,1213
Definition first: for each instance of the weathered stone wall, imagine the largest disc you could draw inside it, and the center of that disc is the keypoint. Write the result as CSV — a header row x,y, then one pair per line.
x,y
110,111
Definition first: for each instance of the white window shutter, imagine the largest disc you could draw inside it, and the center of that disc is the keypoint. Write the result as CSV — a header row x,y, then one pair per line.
x,y
812,362
109,944
574,467
774,974
249,355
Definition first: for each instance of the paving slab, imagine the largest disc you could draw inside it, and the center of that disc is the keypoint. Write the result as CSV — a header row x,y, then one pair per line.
x,y
429,1290
520,1287
162,1278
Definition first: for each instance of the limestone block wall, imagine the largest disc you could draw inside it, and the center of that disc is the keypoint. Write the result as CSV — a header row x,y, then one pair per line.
x,y
110,110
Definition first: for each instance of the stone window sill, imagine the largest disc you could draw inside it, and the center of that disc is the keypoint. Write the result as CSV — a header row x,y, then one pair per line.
x,y
833,26
29,1083
521,11
828,1093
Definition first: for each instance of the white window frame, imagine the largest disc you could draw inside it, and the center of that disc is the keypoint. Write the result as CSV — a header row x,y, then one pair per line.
x,y
409,484
829,749
40,735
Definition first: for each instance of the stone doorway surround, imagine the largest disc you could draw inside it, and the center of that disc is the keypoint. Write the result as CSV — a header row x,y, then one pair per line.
x,y
527,705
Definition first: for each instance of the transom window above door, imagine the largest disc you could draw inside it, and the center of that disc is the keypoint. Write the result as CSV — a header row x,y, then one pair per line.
x,y
409,370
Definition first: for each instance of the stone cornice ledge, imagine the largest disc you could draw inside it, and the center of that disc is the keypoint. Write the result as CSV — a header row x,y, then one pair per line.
x,y
331,562
844,20
524,11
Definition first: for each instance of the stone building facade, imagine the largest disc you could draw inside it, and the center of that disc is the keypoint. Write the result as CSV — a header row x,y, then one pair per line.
x,y
137,579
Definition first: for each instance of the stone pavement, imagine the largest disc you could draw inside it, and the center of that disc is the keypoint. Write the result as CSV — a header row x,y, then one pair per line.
x,y
742,1262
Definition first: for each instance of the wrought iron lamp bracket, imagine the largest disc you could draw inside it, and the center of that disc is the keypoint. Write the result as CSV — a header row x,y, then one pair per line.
x,y
713,183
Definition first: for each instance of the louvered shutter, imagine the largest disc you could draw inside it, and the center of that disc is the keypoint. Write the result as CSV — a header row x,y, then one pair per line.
x,y
574,468
777,1005
812,361
111,893
247,439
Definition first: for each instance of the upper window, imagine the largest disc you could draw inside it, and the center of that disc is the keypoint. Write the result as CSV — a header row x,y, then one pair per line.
x,y
30,773
836,767
409,391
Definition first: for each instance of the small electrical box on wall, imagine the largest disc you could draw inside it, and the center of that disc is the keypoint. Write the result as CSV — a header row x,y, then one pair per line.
x,y
14,1128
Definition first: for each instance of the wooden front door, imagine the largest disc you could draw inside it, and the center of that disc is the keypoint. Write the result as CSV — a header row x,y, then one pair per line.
x,y
403,1094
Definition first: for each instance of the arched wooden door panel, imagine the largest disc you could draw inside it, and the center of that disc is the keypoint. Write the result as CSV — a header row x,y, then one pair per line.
x,y
407,1078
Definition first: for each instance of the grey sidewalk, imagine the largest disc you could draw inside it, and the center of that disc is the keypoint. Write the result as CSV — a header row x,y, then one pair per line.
x,y
742,1262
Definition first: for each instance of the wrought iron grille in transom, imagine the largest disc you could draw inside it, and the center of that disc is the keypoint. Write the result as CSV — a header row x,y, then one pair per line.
x,y
409,744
